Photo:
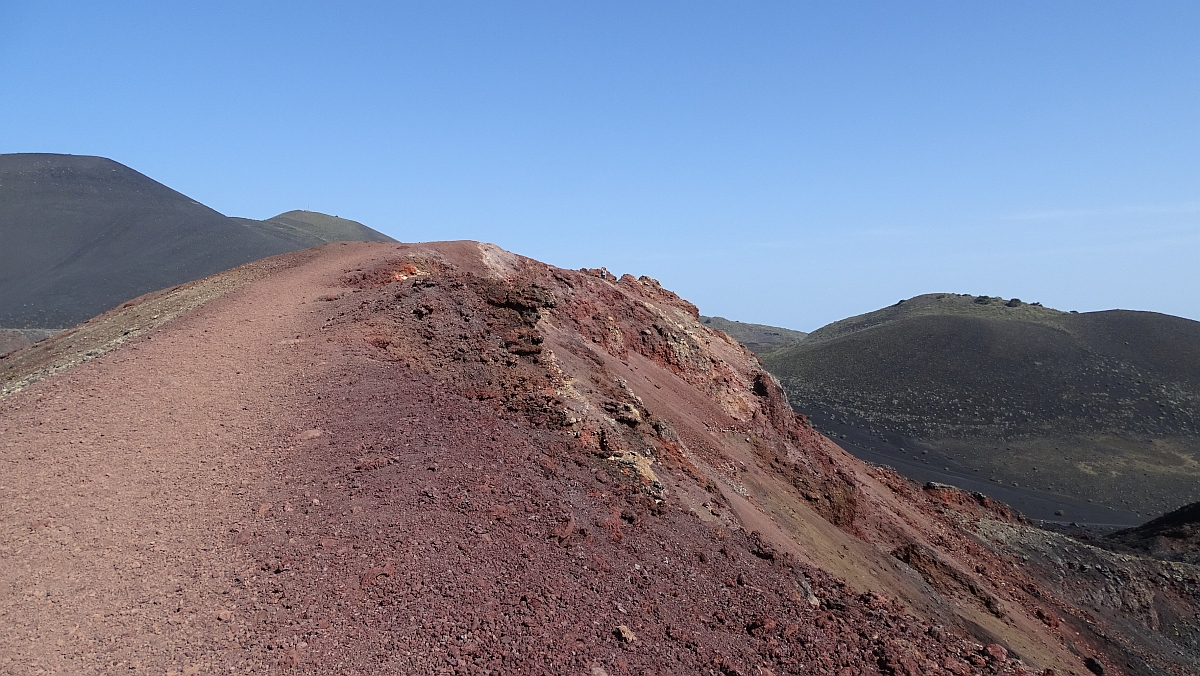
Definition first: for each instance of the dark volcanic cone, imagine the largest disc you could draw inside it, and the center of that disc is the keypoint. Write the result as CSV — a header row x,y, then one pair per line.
x,y
82,234
445,458
1070,417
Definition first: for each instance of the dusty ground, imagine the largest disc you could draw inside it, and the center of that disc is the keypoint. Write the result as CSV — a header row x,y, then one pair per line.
x,y
448,459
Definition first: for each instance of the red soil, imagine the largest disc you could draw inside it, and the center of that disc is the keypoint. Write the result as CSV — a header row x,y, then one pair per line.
x,y
446,458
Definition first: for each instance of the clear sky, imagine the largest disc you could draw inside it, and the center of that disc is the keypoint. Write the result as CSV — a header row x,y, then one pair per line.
x,y
784,163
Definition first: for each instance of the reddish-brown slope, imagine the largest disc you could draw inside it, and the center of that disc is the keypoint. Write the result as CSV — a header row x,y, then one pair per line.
x,y
449,459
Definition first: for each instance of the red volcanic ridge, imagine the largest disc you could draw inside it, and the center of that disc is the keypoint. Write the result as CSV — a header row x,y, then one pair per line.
x,y
446,458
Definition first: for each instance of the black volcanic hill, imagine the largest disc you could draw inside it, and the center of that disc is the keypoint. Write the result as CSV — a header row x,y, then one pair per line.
x,y
1072,411
1174,536
82,234
760,338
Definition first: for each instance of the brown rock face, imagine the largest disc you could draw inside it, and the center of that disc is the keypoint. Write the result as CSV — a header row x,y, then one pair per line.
x,y
996,652
446,458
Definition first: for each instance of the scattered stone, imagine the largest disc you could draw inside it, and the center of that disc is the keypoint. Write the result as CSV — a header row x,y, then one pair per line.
x,y
564,530
388,569
762,626
1047,618
368,464
996,652
625,634
957,666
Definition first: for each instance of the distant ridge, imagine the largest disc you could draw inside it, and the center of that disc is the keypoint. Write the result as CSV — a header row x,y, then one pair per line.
x,y
760,338
81,234
312,228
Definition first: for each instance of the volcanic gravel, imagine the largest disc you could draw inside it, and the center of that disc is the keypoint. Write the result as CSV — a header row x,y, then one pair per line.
x,y
396,459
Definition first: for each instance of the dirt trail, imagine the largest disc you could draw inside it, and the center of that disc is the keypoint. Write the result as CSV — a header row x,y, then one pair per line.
x,y
128,479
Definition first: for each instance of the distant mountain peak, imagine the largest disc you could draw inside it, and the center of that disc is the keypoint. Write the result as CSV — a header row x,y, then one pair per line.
x,y
82,234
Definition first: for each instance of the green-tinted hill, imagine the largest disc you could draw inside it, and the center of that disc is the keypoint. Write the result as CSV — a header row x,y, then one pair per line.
x,y
1018,400
311,228
760,338
81,234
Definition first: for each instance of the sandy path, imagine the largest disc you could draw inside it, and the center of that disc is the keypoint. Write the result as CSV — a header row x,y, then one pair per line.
x,y
118,529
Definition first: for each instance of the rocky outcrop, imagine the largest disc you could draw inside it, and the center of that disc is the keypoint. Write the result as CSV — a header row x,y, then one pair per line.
x,y
640,389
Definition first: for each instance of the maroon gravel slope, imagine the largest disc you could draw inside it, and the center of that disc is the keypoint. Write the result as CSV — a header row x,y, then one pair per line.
x,y
445,458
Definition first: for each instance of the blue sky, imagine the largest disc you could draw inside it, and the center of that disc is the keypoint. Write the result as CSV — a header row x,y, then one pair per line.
x,y
784,163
